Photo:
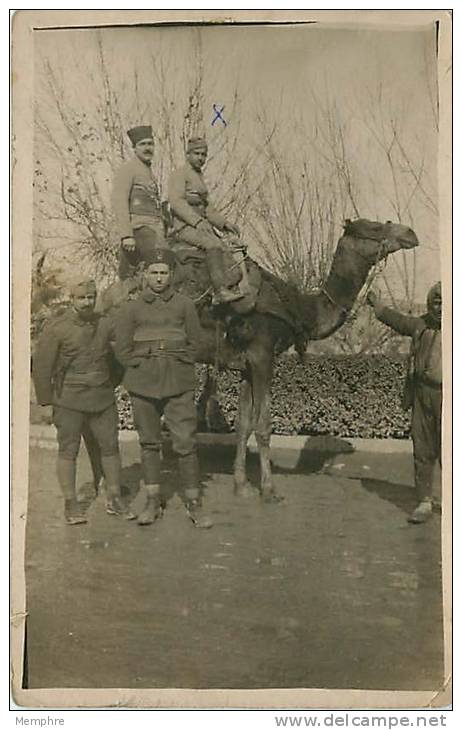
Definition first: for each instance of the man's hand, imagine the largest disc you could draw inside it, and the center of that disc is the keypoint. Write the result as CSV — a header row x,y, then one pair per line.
x,y
232,228
128,244
46,414
372,298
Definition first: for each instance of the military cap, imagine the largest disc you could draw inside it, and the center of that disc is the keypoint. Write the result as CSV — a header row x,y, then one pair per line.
x,y
138,133
196,143
82,285
161,256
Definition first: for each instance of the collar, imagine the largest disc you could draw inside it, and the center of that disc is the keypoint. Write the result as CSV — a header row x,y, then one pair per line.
x,y
193,169
77,319
149,296
140,162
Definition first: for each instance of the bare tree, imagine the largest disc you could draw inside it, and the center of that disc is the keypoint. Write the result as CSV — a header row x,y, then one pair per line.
x,y
80,144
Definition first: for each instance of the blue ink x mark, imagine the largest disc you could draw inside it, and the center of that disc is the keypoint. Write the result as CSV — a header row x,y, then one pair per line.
x,y
218,114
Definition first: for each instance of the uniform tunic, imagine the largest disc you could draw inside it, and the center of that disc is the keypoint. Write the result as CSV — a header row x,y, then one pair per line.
x,y
188,198
425,384
136,204
136,199
73,370
156,338
72,363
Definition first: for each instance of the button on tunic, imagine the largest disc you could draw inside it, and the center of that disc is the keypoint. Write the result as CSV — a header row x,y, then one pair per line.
x,y
156,340
72,364
136,199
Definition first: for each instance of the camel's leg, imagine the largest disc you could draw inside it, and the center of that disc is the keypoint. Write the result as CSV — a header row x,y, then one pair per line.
x,y
242,487
262,372
202,424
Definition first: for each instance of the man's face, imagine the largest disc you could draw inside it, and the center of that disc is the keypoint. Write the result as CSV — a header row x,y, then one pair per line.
x,y
144,150
434,306
84,304
158,277
197,158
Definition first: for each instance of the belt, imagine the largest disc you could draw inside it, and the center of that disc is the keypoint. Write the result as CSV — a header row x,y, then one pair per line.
x,y
148,347
94,379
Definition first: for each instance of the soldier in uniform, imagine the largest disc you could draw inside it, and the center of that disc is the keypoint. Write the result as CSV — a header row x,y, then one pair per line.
x,y
423,390
72,373
136,204
194,218
156,338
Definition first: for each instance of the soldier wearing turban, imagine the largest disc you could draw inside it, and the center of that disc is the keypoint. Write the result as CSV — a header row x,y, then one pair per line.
x,y
423,391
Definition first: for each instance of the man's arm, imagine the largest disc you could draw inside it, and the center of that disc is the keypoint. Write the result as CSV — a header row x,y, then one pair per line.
x,y
192,326
116,370
215,217
402,323
124,326
44,363
178,202
121,190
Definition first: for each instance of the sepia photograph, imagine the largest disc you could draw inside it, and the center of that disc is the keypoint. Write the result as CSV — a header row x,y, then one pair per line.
x,y
231,432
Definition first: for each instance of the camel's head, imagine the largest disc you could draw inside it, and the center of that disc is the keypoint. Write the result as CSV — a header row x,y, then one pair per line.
x,y
380,239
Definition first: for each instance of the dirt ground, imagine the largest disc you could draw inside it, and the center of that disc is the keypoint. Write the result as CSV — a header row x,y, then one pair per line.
x,y
332,589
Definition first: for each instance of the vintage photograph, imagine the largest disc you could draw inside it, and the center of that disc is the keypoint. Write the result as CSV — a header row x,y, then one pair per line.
x,y
233,273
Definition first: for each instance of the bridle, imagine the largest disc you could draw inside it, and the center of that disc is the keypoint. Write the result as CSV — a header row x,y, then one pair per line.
x,y
380,257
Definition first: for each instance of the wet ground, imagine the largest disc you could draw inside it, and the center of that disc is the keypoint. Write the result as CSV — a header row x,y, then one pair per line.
x,y
332,589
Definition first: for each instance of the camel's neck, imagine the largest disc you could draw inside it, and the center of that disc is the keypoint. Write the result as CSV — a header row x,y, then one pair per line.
x,y
326,311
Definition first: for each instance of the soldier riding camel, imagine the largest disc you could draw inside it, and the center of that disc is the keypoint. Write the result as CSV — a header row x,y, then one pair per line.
x,y
194,218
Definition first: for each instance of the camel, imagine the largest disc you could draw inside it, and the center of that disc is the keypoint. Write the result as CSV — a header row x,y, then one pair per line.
x,y
249,341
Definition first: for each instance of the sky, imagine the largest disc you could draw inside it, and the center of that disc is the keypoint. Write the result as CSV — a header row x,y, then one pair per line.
x,y
287,73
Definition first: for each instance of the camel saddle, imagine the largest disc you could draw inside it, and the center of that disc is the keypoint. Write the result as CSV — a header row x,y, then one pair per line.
x,y
192,276
261,289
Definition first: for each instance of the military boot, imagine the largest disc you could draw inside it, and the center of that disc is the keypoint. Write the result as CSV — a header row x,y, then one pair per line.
x,y
189,475
116,506
153,507
198,517
73,513
422,512
216,265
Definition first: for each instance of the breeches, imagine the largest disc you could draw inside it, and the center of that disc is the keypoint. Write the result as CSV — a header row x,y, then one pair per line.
x,y
146,240
180,416
203,239
70,424
426,436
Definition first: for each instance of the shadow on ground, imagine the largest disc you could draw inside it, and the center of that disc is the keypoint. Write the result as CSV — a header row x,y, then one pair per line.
x,y
312,459
401,496
334,589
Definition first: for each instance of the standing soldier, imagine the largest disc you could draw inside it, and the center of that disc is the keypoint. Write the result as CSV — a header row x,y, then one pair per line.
x,y
423,390
156,336
136,204
194,217
72,375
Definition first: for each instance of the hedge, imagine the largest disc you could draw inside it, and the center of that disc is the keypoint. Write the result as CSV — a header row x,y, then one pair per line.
x,y
346,396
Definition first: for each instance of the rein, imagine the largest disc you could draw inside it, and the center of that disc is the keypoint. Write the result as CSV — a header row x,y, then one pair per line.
x,y
374,271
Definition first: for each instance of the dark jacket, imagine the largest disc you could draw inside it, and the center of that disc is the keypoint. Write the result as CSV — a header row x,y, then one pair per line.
x,y
156,340
73,363
425,360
